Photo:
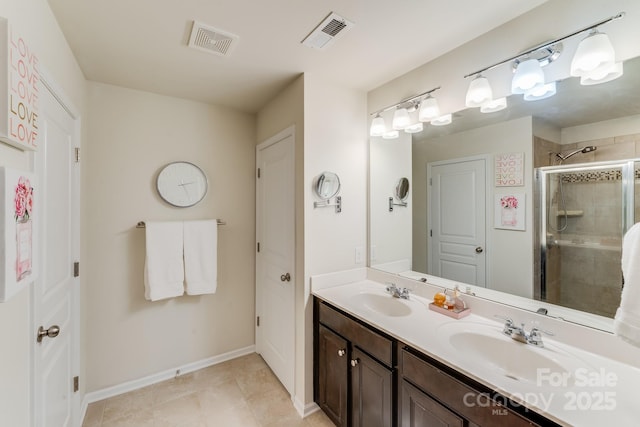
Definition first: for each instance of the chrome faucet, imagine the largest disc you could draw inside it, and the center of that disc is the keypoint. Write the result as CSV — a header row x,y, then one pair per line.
x,y
397,292
518,333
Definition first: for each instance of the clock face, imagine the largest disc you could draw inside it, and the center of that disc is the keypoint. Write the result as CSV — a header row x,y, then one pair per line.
x,y
182,184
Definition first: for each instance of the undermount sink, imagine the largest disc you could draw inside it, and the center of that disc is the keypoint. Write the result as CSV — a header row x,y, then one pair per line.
x,y
486,346
382,304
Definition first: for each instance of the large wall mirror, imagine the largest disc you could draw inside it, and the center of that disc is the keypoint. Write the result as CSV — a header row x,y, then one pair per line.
x,y
581,191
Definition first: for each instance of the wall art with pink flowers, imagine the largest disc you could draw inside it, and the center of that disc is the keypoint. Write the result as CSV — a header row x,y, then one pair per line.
x,y
18,267
509,211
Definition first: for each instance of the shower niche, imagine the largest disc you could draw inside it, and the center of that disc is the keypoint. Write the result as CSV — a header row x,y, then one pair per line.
x,y
582,213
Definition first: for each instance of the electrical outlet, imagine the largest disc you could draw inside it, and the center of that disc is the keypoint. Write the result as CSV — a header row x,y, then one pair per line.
x,y
359,253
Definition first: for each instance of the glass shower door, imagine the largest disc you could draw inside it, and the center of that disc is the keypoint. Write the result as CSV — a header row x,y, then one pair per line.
x,y
584,214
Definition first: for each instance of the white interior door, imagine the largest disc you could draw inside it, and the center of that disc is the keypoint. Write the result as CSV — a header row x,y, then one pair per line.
x,y
275,260
458,224
55,292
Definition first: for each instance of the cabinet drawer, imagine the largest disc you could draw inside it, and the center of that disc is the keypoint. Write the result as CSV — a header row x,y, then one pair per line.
x,y
473,405
371,342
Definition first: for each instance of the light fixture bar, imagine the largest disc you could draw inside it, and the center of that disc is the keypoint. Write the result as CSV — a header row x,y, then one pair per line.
x,y
404,101
547,44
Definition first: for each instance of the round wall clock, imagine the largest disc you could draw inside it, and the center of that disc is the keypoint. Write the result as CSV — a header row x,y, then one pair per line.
x,y
182,184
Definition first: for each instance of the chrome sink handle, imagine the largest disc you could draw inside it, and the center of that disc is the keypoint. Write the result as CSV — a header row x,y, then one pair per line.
x,y
508,325
535,336
404,293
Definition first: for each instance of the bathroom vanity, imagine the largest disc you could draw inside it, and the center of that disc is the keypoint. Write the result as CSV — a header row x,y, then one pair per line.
x,y
387,362
372,379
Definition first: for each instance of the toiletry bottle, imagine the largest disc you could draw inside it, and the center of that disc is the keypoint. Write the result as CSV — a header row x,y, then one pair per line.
x,y
440,298
458,302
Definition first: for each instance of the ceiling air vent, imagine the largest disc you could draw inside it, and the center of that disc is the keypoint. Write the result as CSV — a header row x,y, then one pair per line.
x,y
212,40
327,31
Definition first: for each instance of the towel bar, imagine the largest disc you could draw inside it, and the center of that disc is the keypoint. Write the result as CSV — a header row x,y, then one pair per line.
x,y
141,224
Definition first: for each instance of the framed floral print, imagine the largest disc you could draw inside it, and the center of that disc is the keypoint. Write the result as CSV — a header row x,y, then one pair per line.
x,y
17,231
509,211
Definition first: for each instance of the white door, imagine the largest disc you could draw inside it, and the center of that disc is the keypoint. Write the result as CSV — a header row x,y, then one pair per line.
x,y
55,292
275,261
457,216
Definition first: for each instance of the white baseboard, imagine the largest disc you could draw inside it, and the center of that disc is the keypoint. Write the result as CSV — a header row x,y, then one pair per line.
x,y
108,392
304,410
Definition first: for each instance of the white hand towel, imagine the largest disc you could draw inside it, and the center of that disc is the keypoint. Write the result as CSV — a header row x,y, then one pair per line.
x,y
627,321
201,256
164,265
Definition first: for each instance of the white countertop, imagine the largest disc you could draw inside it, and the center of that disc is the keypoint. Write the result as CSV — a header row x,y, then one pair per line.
x,y
599,391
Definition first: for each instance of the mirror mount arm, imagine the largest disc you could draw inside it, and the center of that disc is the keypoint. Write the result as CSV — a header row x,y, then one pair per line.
x,y
392,204
326,204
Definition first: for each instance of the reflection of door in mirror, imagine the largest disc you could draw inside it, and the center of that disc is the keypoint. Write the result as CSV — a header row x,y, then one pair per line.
x,y
457,220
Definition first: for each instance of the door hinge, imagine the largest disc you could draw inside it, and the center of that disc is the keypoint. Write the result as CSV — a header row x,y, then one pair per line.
x,y
258,246
77,154
258,172
76,269
257,320
430,233
76,384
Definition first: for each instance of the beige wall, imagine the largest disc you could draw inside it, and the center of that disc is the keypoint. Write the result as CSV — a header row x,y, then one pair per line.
x,y
509,253
336,141
34,20
133,134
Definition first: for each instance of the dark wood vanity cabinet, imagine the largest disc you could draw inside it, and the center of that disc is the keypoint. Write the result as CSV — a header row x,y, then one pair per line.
x,y
355,371
364,378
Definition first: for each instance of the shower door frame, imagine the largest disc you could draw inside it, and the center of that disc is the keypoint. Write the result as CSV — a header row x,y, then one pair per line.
x,y
627,167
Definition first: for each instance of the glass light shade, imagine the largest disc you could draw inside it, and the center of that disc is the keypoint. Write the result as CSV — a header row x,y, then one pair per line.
x,y
414,128
391,134
429,109
442,120
377,126
539,92
494,105
593,52
479,92
528,75
602,74
401,119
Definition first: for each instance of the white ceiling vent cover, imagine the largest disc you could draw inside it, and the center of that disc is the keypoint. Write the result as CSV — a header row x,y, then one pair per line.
x,y
327,31
212,40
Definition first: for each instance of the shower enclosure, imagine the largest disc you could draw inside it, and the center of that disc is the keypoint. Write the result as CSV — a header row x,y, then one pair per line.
x,y
582,213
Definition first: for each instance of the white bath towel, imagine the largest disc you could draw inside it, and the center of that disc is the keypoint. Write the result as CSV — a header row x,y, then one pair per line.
x,y
627,320
164,264
201,256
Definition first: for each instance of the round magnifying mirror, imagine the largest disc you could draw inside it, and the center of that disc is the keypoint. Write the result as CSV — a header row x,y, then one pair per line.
x,y
402,189
327,185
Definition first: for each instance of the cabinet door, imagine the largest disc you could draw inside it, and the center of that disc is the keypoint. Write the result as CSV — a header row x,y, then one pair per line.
x,y
333,375
420,410
372,391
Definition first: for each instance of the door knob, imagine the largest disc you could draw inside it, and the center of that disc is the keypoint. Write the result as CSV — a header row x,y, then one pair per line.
x,y
354,362
52,332
342,352
479,250
285,277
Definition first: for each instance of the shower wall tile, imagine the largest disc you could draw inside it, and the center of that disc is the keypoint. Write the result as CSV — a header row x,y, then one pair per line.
x,y
635,137
626,150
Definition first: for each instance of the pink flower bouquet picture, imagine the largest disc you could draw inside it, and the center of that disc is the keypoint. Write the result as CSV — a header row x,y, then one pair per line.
x,y
18,214
510,211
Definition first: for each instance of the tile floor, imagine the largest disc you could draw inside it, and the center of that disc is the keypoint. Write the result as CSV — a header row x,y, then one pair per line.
x,y
242,392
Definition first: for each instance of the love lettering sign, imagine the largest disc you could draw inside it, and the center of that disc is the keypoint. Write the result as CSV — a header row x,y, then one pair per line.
x,y
19,90
509,170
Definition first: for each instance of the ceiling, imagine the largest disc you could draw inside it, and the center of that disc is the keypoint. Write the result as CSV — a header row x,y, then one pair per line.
x,y
142,44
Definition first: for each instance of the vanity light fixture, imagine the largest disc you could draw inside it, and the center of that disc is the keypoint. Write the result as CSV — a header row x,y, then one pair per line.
x,y
595,54
528,75
429,109
479,92
401,117
377,126
539,92
414,128
442,120
494,105
391,134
